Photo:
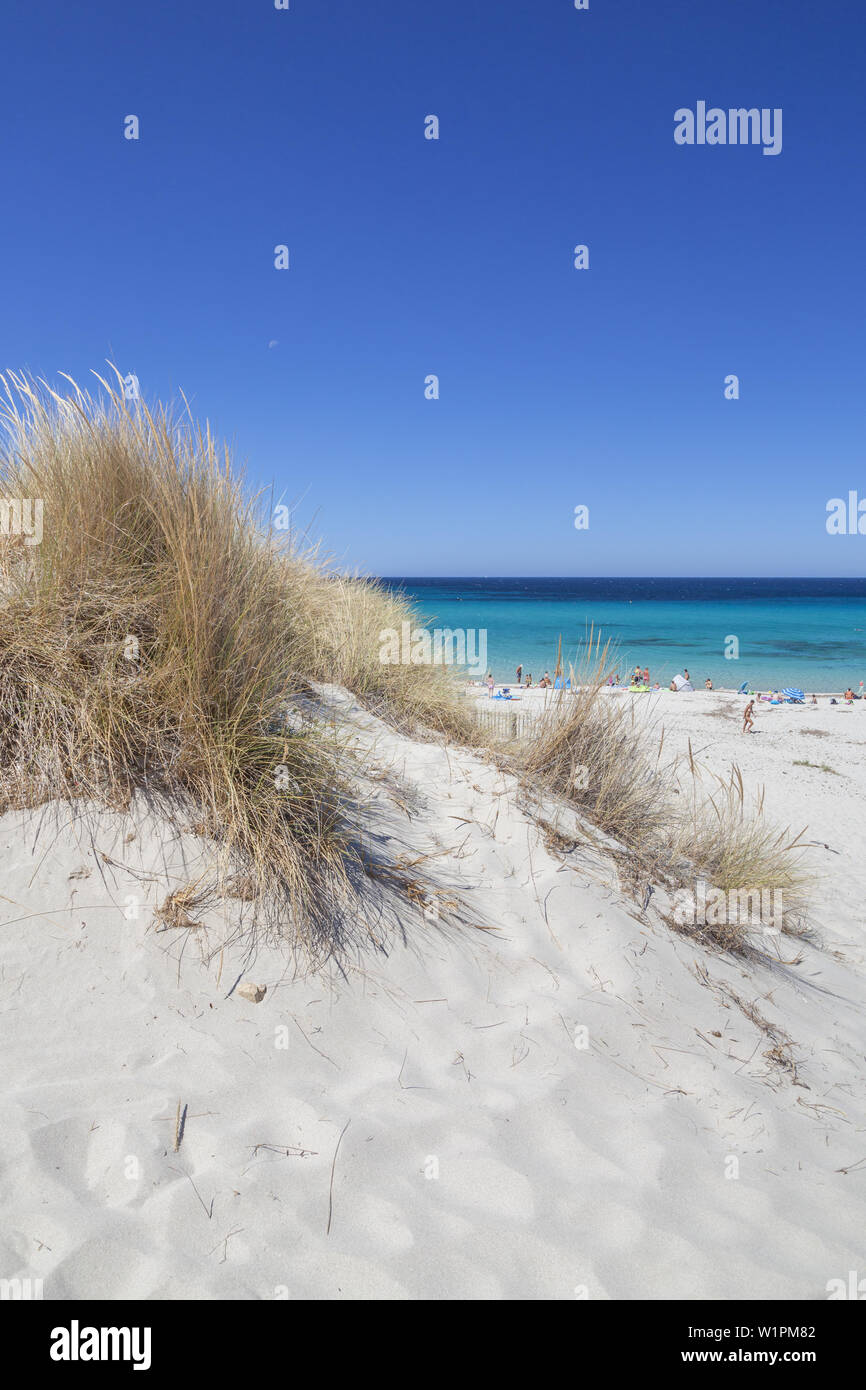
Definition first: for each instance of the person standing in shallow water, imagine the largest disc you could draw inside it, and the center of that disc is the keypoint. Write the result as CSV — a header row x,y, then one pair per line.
x,y
519,674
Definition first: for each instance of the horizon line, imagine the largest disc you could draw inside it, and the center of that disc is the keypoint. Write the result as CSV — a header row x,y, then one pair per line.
x,y
840,578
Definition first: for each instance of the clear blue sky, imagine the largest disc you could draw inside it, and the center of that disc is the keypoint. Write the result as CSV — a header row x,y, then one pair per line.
x,y
558,387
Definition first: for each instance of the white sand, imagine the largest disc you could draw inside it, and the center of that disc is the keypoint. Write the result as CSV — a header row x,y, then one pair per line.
x,y
562,1169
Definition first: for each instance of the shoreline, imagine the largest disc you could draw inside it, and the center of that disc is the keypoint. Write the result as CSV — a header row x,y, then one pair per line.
x,y
480,689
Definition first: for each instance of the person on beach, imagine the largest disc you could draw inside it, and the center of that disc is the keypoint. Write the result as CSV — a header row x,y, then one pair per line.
x,y
646,675
490,685
519,674
749,717
814,700
708,683
849,694
528,685
686,674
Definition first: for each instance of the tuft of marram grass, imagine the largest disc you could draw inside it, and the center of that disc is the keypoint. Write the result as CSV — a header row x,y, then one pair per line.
x,y
598,754
591,750
725,839
153,639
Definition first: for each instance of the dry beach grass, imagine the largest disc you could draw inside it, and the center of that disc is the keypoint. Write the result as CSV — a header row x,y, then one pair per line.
x,y
676,822
154,638
163,637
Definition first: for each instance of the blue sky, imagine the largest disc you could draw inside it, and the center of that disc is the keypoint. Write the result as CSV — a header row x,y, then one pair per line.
x,y
408,257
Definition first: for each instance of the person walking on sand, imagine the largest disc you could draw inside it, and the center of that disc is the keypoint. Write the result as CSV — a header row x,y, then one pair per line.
x,y
748,717
489,685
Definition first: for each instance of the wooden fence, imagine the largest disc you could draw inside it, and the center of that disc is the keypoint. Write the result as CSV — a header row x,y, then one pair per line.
x,y
504,724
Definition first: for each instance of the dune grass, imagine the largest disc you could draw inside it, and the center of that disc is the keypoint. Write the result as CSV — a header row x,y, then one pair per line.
x,y
591,750
154,638
723,837
345,646
162,639
678,827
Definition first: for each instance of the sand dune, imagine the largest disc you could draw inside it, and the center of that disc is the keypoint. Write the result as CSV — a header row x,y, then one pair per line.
x,y
574,1103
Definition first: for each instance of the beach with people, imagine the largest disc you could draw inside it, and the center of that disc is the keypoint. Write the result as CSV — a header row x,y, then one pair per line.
x,y
805,759
761,634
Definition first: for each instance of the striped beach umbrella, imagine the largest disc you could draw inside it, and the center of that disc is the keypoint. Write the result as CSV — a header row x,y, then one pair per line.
x,y
791,694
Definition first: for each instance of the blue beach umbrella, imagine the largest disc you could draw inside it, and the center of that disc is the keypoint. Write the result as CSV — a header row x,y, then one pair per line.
x,y
791,694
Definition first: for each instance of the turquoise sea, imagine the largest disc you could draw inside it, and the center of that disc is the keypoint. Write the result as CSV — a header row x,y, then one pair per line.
x,y
799,632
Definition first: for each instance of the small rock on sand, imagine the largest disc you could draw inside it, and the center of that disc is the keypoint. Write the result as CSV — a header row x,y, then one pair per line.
x,y
255,993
